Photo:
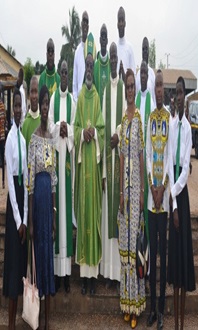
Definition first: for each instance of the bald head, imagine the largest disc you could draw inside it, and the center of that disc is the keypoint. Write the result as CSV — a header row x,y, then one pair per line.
x,y
85,25
159,89
50,43
50,54
145,50
103,39
34,93
121,12
113,60
85,16
143,75
113,48
64,75
121,22
33,79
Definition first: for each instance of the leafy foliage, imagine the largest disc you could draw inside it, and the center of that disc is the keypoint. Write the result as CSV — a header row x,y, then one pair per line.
x,y
72,34
28,72
161,65
11,50
152,54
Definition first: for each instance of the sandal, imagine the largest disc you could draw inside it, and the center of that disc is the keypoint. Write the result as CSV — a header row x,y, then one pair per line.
x,y
126,317
134,321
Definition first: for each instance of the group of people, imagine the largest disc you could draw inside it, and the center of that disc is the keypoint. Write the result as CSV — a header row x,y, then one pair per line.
x,y
98,159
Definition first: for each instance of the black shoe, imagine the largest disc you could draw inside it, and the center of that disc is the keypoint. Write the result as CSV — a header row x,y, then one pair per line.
x,y
84,286
66,284
151,319
109,283
118,287
92,286
160,321
57,283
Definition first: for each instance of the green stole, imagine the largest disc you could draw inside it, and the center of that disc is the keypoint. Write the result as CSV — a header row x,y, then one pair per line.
x,y
102,66
113,204
68,183
147,114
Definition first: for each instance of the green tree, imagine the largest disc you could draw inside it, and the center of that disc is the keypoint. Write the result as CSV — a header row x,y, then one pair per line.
x,y
28,72
72,33
152,54
161,65
11,50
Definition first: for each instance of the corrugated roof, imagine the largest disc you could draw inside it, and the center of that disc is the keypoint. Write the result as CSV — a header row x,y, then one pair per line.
x,y
6,69
14,58
171,75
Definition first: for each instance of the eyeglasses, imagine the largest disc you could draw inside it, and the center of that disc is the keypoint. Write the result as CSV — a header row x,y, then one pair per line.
x,y
131,86
64,71
50,50
89,65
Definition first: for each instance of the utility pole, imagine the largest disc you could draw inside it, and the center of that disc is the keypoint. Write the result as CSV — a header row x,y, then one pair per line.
x,y
167,55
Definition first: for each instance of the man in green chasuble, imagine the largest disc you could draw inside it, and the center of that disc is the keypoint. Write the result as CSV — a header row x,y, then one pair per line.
x,y
113,110
49,76
102,65
89,143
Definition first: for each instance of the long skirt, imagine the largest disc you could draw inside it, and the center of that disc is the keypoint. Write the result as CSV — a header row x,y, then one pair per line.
x,y
180,252
15,253
43,229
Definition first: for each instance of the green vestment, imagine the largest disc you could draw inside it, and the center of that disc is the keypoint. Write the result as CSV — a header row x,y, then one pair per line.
x,y
113,193
29,126
51,79
101,75
88,179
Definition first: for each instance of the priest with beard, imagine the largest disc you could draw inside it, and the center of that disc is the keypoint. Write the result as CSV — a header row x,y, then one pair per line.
x,y
89,143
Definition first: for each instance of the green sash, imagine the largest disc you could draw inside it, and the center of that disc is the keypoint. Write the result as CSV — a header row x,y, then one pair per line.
x,y
147,114
113,204
68,183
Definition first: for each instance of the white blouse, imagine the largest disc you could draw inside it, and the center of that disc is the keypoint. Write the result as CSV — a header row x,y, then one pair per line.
x,y
185,151
12,162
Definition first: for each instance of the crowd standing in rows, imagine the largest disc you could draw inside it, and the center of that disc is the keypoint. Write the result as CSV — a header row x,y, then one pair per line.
x,y
98,159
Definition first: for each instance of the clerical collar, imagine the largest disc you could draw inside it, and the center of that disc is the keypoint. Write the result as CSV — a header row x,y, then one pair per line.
x,y
144,93
103,58
50,72
114,81
122,41
63,94
33,114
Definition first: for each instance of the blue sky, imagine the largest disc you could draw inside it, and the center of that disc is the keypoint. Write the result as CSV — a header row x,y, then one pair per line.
x,y
27,26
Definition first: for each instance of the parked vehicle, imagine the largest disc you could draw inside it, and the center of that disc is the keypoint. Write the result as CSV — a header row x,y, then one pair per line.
x,y
193,116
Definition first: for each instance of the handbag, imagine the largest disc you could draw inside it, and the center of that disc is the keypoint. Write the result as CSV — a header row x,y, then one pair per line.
x,y
142,250
31,300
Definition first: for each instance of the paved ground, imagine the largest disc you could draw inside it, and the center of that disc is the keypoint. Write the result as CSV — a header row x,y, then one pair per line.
x,y
95,322
61,321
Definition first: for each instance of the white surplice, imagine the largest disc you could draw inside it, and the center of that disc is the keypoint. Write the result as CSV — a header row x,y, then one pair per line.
x,y
125,53
110,263
62,263
79,70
